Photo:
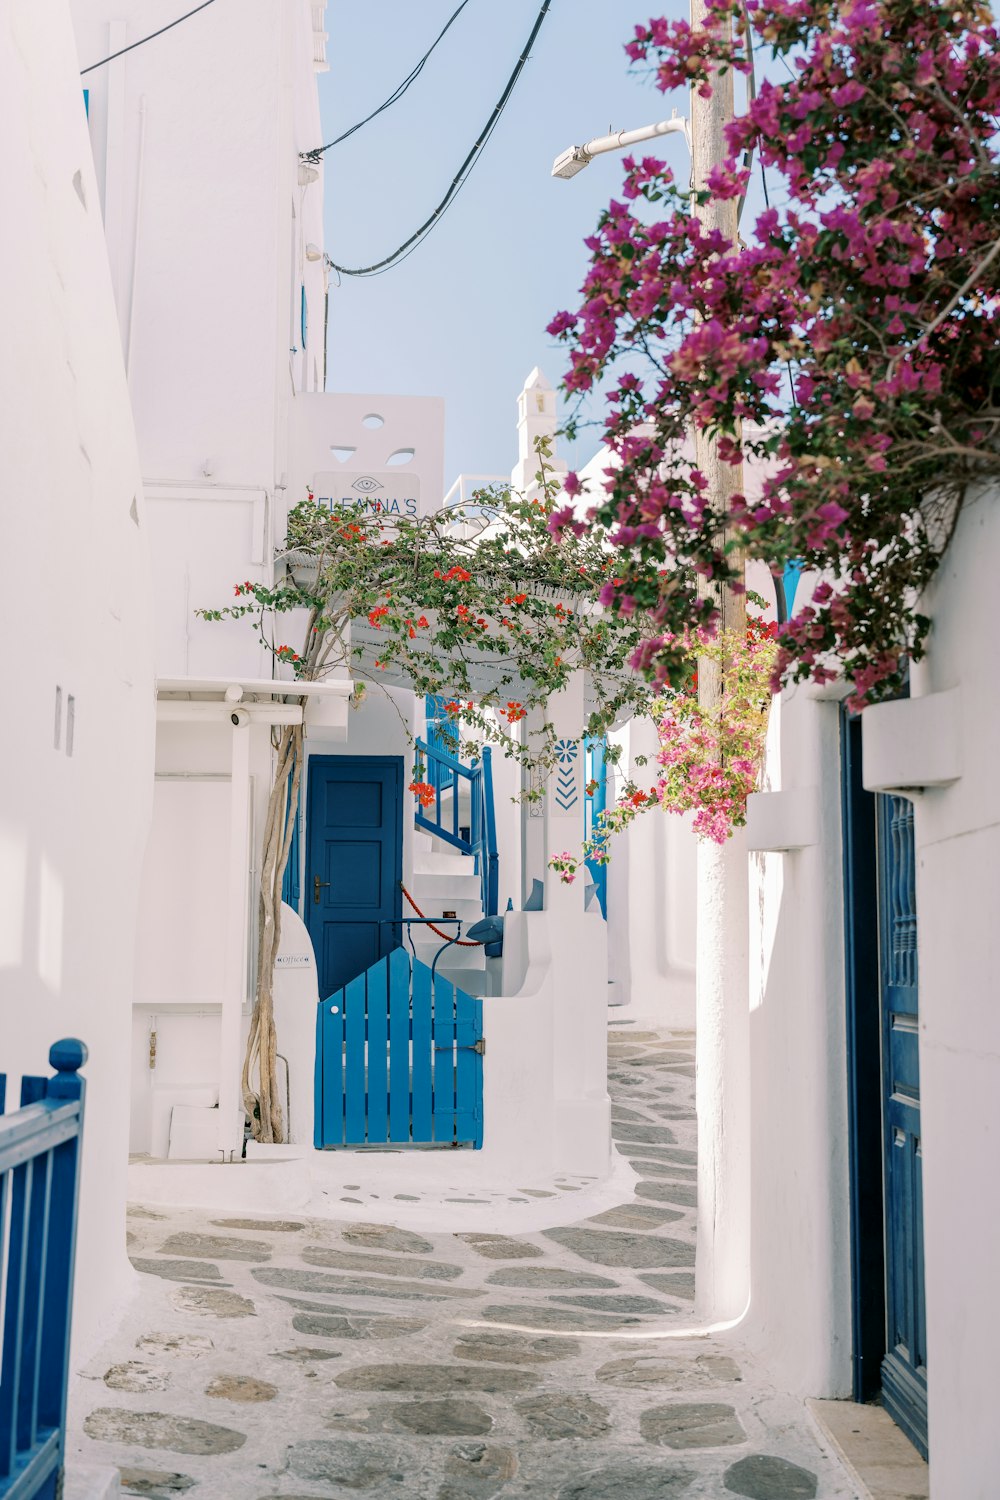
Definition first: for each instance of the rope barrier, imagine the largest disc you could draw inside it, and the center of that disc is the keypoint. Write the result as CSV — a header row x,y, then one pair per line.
x,y
460,943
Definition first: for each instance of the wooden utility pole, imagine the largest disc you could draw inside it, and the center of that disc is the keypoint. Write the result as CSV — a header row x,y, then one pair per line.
x,y
722,967
709,118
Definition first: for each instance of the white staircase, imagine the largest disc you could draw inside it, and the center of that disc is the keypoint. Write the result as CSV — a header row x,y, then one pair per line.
x,y
444,880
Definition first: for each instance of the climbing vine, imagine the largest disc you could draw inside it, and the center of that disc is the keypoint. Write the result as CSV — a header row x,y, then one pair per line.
x,y
480,607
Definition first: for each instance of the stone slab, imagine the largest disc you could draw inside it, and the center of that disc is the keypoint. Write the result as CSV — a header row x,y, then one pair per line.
x,y
500,1247
387,1237
683,1193
381,1265
158,1429
564,1416
547,1278
513,1348
178,1270
670,1372
291,1279
429,1378
270,1226
606,1248
355,1326
699,1424
216,1303
762,1476
215,1247
628,1481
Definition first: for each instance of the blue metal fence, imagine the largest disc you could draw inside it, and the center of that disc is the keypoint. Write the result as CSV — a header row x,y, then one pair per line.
x,y
39,1185
442,817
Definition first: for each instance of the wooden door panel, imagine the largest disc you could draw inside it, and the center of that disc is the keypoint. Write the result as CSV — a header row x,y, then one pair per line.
x,y
354,851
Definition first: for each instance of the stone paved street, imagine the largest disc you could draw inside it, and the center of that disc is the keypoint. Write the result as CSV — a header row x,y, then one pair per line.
x,y
269,1359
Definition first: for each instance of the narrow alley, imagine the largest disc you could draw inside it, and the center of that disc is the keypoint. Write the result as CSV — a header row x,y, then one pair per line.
x,y
269,1359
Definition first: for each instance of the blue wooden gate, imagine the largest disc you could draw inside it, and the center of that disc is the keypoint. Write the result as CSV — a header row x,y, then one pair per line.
x,y
399,1060
39,1180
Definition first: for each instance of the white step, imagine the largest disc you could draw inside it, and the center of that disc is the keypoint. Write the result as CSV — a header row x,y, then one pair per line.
x,y
447,891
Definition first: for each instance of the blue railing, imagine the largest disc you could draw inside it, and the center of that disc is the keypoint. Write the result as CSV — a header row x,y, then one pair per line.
x,y
442,735
39,1183
596,767
479,838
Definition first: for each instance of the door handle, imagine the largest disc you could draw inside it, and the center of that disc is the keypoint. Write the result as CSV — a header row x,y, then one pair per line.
x,y
318,885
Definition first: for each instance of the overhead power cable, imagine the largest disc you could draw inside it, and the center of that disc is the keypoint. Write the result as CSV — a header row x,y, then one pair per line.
x,y
461,176
395,96
143,40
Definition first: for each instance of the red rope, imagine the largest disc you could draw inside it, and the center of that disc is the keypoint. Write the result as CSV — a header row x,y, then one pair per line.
x,y
460,943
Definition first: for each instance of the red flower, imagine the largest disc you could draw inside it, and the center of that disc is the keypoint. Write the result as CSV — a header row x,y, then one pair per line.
x,y
423,791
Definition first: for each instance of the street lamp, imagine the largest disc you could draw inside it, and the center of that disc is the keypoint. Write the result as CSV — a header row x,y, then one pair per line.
x,y
575,158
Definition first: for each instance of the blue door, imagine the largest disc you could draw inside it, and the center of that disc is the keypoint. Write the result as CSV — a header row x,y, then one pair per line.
x,y
354,863
904,1368
887,1237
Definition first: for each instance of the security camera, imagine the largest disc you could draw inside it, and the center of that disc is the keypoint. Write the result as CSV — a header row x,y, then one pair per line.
x,y
239,717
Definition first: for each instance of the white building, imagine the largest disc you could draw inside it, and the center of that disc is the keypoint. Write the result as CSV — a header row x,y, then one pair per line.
x,y
77,750
214,226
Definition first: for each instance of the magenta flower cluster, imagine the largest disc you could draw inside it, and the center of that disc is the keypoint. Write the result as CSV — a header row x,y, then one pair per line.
x,y
845,346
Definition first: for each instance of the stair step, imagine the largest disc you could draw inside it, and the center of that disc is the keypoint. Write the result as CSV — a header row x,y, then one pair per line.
x,y
446,888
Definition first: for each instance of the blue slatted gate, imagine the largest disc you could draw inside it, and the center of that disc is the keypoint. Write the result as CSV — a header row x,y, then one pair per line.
x,y
399,1060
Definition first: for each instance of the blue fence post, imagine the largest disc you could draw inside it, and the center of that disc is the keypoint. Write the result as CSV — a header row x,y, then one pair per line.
x,y
40,1173
67,1057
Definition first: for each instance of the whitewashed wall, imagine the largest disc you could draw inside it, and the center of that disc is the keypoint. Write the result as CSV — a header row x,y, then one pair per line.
x,y
76,599
958,895
800,1308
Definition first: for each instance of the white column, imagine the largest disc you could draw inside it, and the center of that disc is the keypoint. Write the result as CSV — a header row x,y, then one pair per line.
x,y
723,1079
579,960
230,1100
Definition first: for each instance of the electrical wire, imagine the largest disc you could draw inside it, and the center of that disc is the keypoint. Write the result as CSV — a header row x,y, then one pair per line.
x,y
397,93
461,176
143,40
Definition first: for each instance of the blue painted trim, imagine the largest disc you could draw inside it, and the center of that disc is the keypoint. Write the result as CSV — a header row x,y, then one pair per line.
x,y
596,769
790,581
303,317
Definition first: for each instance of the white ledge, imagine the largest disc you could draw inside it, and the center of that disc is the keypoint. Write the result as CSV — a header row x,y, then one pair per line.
x,y
784,820
912,744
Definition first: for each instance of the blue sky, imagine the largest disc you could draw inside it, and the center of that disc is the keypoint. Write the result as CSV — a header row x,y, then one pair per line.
x,y
464,316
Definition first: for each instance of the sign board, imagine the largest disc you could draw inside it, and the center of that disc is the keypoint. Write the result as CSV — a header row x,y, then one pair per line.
x,y
293,961
390,493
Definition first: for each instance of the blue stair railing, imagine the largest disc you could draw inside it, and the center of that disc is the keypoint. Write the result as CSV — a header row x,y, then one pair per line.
x,y
39,1186
479,838
594,806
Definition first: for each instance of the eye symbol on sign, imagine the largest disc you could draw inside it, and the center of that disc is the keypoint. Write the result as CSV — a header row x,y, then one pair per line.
x,y
366,484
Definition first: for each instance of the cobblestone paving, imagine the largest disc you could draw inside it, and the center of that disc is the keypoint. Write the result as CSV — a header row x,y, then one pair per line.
x,y
291,1360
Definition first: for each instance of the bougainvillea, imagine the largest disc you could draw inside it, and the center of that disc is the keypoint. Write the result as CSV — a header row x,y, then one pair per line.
x,y
710,755
846,345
